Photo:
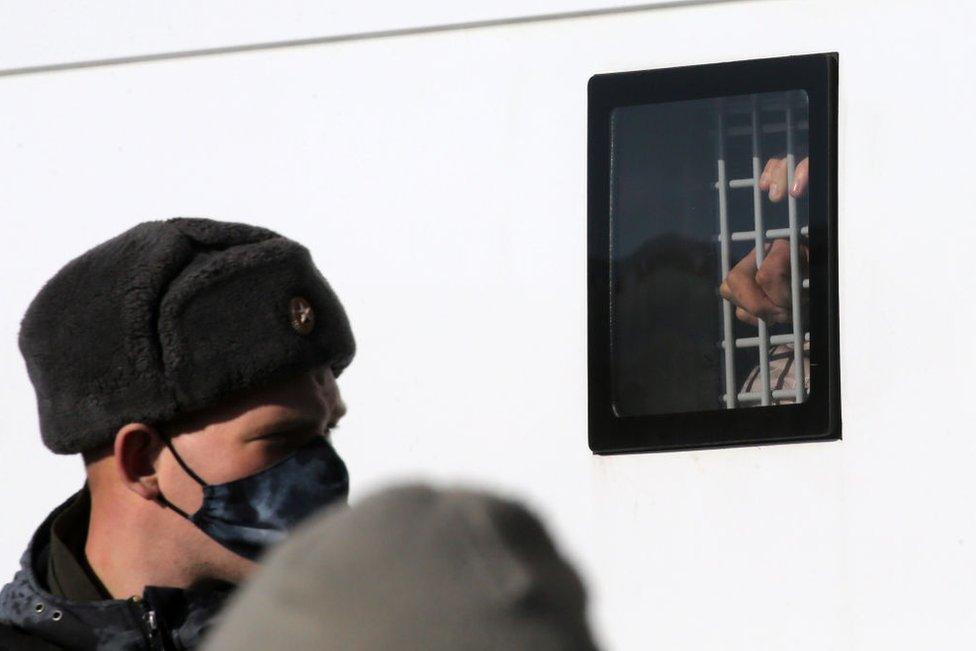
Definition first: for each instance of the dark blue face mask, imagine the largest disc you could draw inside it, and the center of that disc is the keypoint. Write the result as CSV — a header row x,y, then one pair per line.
x,y
249,514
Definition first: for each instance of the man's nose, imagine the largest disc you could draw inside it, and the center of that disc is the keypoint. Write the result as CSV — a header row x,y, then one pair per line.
x,y
328,391
340,409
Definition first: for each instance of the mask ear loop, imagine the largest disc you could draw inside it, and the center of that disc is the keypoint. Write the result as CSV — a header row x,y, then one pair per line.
x,y
162,498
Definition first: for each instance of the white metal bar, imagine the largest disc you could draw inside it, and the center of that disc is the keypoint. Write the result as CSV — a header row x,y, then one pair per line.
x,y
757,396
777,127
744,108
771,234
723,218
760,248
795,280
774,340
736,183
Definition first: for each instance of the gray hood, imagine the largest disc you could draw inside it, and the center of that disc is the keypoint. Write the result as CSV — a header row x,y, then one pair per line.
x,y
412,569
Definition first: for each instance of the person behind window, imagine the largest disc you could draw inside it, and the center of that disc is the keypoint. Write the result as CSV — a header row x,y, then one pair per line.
x,y
764,291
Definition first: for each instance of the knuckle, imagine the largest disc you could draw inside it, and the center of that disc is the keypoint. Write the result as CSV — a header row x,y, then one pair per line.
x,y
732,281
764,276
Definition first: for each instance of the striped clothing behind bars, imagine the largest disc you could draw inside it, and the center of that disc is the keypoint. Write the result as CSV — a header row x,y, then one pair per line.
x,y
781,374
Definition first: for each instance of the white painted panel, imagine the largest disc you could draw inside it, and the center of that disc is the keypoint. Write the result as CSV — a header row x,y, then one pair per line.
x,y
440,182
45,33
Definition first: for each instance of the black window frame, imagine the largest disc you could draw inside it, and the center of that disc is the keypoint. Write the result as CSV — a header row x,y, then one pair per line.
x,y
818,418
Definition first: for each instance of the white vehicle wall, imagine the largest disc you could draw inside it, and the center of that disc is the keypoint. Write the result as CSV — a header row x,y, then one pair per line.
x,y
438,174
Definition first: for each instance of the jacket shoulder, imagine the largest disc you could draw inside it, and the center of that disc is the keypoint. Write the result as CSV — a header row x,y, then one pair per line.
x,y
14,639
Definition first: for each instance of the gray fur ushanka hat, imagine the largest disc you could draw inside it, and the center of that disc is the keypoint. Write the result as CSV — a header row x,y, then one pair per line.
x,y
169,317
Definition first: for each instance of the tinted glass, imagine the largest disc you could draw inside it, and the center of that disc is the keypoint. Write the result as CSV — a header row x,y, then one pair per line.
x,y
691,185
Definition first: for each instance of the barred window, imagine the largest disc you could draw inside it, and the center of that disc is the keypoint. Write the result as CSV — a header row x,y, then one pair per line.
x,y
715,280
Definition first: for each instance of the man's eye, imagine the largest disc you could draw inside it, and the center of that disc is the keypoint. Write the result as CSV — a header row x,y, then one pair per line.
x,y
285,436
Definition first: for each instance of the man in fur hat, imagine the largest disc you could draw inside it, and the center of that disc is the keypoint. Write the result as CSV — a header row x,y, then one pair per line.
x,y
192,364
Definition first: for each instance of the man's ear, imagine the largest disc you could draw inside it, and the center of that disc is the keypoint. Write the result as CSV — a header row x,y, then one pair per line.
x,y
137,447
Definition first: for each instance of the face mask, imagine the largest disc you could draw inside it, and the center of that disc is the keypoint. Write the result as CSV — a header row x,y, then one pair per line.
x,y
249,514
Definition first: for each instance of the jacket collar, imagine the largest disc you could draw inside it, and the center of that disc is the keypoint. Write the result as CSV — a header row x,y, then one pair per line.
x,y
163,618
68,573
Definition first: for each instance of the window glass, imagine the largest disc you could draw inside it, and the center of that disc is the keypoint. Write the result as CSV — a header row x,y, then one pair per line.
x,y
709,218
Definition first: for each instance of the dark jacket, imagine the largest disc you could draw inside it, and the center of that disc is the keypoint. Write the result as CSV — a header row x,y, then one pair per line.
x,y
55,601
